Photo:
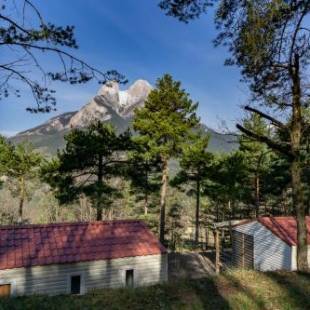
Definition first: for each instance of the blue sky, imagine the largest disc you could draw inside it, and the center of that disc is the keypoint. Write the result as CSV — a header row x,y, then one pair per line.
x,y
137,39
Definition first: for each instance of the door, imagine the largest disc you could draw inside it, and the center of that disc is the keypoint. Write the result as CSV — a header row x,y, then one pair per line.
x,y
129,278
76,284
5,290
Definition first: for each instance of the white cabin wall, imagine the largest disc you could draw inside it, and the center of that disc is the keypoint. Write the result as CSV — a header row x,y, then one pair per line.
x,y
294,258
249,228
270,252
55,279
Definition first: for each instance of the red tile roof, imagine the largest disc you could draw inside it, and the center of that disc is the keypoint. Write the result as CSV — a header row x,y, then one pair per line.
x,y
284,227
34,245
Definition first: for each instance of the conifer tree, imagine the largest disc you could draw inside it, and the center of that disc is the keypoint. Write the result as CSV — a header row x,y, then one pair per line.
x,y
257,156
143,172
92,156
164,123
195,164
20,164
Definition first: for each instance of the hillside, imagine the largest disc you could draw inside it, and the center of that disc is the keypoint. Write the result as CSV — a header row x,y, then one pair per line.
x,y
110,105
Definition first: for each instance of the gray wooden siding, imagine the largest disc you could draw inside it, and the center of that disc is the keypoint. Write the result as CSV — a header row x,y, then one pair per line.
x,y
243,250
270,252
55,279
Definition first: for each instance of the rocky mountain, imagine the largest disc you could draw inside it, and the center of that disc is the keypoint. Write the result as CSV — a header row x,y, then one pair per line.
x,y
109,105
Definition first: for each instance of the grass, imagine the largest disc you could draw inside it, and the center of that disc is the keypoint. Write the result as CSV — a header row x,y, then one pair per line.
x,y
230,290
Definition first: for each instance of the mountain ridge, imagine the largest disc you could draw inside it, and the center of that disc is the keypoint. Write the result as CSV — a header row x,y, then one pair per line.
x,y
110,105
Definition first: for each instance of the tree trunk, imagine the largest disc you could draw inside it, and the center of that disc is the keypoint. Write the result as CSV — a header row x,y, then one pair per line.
x,y
229,208
146,194
296,171
197,211
146,203
163,194
302,247
99,180
110,214
257,195
99,212
21,199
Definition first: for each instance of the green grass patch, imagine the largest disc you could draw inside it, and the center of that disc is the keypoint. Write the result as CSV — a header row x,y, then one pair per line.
x,y
230,290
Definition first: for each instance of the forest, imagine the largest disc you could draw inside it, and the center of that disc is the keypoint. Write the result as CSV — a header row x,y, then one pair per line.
x,y
159,170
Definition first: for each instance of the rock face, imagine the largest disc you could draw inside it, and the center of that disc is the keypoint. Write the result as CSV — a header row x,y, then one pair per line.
x,y
110,102
55,124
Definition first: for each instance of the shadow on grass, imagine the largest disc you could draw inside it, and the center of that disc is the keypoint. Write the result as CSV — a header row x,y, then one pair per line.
x,y
192,294
230,290
257,290
297,286
244,292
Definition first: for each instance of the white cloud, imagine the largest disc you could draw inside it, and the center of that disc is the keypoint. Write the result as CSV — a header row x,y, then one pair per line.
x,y
8,133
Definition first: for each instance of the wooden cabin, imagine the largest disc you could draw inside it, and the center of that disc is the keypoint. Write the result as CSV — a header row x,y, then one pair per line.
x,y
74,258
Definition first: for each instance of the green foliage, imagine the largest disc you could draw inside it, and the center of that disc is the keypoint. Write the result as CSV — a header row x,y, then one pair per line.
x,y
185,10
143,172
176,226
195,163
263,37
91,158
19,161
19,165
227,184
163,125
195,160
166,118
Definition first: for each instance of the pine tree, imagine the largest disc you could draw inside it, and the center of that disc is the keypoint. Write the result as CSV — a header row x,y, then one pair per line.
x,y
92,156
164,123
195,165
257,156
20,164
143,172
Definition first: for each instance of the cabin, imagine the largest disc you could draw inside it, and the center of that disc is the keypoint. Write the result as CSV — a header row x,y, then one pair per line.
x,y
267,243
75,258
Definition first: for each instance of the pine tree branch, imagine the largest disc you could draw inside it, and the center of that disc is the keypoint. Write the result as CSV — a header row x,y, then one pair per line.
x,y
272,144
274,121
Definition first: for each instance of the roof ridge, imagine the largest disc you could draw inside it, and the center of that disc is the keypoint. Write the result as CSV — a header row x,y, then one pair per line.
x,y
59,224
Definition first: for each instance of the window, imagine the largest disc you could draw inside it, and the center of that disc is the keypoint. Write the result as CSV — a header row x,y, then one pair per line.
x,y
129,278
76,284
5,290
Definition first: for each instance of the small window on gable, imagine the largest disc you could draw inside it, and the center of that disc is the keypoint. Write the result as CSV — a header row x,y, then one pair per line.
x,y
129,278
5,290
75,284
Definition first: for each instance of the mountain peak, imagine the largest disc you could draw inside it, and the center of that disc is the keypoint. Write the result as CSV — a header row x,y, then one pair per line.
x,y
108,103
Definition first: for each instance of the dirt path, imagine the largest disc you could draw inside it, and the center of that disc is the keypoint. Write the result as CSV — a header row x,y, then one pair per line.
x,y
189,266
